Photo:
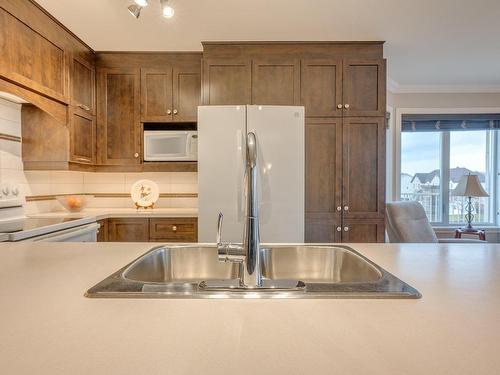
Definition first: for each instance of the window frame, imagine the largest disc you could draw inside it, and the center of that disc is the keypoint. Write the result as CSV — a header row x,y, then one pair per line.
x,y
394,170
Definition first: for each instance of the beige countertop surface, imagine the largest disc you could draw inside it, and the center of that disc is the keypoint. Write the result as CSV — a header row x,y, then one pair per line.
x,y
105,213
48,327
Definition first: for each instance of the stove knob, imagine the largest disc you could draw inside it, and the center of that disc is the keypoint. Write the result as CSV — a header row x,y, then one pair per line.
x,y
5,190
15,191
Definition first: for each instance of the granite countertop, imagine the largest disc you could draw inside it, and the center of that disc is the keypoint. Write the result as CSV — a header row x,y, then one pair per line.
x,y
51,328
105,213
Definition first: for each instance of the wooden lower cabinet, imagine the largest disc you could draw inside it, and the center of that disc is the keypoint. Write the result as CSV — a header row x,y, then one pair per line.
x,y
322,228
148,230
102,232
128,230
363,231
173,230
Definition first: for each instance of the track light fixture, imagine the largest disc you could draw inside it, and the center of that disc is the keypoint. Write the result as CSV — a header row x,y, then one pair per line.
x,y
166,9
135,10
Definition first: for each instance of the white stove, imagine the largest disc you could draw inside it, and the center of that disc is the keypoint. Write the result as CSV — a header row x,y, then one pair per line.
x,y
15,226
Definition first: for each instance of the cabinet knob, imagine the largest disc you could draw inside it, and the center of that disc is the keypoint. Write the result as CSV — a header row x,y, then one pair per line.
x,y
169,111
136,155
346,208
176,111
339,106
339,229
339,208
346,229
174,228
346,106
84,107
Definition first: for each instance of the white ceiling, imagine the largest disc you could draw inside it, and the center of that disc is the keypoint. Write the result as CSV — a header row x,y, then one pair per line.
x,y
438,43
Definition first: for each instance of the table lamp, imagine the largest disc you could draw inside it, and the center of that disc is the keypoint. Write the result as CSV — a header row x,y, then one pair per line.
x,y
469,186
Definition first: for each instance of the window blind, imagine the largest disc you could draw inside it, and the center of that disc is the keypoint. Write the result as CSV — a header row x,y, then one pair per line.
x,y
454,122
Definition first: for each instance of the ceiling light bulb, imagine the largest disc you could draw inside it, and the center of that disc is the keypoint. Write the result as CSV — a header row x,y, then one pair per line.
x,y
168,11
135,10
141,3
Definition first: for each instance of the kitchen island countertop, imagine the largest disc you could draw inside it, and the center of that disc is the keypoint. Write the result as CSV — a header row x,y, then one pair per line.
x,y
49,327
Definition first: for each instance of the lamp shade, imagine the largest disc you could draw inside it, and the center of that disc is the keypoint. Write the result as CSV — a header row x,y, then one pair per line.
x,y
469,186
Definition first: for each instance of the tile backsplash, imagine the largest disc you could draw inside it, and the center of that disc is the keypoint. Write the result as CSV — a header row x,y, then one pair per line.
x,y
37,183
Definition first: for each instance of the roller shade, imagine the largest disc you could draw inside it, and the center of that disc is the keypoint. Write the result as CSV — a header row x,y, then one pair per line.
x,y
456,122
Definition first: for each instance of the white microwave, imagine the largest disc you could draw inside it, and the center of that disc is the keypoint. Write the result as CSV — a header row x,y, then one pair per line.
x,y
170,145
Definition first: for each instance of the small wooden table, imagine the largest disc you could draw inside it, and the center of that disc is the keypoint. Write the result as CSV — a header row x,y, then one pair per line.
x,y
474,232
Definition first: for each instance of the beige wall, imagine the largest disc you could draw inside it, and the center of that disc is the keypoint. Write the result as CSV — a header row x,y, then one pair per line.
x,y
451,100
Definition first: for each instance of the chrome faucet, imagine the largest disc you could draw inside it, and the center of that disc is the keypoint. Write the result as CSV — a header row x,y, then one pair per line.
x,y
248,253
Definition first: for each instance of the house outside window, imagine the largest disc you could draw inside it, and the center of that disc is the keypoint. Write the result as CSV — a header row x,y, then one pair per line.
x,y
437,151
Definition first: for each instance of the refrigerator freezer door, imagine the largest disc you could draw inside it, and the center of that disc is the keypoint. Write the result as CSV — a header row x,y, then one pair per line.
x,y
280,142
221,160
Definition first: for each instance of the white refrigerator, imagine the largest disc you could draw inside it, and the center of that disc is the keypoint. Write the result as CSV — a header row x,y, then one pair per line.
x,y
221,168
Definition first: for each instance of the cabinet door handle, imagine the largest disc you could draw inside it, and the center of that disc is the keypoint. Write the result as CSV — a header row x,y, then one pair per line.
x,y
346,229
176,111
346,208
339,208
339,229
346,106
169,111
339,106
84,107
136,155
174,228
82,159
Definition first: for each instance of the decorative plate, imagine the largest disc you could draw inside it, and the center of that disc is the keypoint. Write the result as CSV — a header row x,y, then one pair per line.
x,y
144,193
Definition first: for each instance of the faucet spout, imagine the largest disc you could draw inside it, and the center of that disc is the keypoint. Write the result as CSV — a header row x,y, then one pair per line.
x,y
247,254
251,234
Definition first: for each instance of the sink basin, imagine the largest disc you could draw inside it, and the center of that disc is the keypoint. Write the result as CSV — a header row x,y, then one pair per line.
x,y
327,272
180,265
316,264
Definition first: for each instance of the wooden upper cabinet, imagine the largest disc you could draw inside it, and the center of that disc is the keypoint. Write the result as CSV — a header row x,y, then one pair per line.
x,y
170,94
30,59
118,116
83,85
323,162
364,168
364,91
186,93
227,81
82,138
321,88
276,82
156,94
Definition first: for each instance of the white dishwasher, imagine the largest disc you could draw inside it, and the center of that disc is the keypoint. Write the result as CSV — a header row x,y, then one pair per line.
x,y
84,233
56,230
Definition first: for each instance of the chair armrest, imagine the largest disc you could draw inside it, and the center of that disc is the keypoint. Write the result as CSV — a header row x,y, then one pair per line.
x,y
460,240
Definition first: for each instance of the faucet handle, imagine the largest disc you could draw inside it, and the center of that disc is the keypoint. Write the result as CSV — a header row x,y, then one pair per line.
x,y
219,228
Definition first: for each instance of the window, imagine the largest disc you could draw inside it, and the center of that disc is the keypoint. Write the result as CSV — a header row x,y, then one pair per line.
x,y
436,151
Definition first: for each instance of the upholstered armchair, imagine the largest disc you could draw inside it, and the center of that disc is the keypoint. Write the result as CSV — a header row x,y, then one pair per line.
x,y
407,222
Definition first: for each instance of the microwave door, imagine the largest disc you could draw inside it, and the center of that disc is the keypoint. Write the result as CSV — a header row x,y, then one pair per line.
x,y
164,147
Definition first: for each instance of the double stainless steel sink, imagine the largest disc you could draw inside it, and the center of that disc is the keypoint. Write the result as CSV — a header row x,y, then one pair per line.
x,y
184,271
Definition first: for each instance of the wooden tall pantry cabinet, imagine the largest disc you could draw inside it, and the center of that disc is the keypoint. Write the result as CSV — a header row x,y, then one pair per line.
x,y
343,89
